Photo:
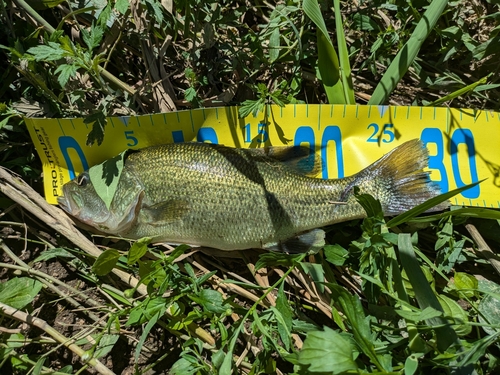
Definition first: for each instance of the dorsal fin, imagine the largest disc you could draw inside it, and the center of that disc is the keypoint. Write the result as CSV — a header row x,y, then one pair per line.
x,y
298,158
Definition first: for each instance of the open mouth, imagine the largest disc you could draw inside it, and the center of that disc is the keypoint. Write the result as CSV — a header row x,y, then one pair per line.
x,y
64,203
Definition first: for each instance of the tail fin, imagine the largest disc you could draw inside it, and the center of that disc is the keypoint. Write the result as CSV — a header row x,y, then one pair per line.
x,y
398,180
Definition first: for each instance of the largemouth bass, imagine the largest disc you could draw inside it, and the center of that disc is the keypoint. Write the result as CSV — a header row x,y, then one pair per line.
x,y
215,196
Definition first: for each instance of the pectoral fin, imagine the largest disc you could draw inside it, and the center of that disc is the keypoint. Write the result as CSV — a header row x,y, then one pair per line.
x,y
165,212
313,241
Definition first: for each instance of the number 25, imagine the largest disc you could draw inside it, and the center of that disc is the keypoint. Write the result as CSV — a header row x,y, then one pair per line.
x,y
387,130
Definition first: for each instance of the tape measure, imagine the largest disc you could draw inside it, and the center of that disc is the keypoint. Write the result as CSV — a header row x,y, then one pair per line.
x,y
463,144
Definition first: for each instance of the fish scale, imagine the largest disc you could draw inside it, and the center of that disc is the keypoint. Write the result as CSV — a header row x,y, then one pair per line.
x,y
228,198
254,189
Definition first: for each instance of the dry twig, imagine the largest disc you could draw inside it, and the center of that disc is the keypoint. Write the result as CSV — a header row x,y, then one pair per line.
x,y
68,343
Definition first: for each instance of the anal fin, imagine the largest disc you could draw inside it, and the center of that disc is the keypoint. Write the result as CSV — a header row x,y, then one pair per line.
x,y
312,240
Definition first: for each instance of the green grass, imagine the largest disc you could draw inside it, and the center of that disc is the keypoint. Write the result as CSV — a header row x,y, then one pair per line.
x,y
412,295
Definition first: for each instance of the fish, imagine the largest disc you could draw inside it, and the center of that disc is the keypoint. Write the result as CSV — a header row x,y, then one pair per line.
x,y
215,196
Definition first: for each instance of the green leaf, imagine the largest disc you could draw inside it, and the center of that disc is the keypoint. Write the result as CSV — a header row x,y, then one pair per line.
x,y
463,91
53,253
345,66
145,333
327,351
274,45
98,120
105,263
427,205
50,52
251,106
146,310
411,364
329,70
418,316
121,6
138,249
190,94
303,326
20,367
211,300
371,205
487,87
157,10
105,177
105,345
328,61
184,367
284,318
353,310
466,283
65,71
37,369
423,292
19,291
68,369
316,272
477,350
482,213
406,56
335,254
274,259
453,310
15,340
93,37
489,315
364,22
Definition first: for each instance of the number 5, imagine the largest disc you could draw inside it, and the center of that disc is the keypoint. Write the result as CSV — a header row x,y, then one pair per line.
x,y
388,130
262,132
129,135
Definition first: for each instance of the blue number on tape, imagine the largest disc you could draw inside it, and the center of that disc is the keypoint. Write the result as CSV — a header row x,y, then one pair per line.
x,y
433,135
387,133
332,133
305,134
261,129
66,143
262,133
248,137
207,135
464,136
178,136
129,134
459,136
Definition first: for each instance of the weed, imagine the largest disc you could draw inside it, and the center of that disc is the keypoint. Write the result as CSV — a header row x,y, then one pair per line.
x,y
408,295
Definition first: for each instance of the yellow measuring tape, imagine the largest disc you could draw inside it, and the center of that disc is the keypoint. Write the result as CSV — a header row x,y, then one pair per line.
x,y
463,144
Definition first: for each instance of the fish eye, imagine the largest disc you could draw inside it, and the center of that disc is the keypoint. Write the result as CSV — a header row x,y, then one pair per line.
x,y
82,179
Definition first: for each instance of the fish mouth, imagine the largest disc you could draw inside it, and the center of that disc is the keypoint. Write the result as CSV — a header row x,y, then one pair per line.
x,y
66,205
63,203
